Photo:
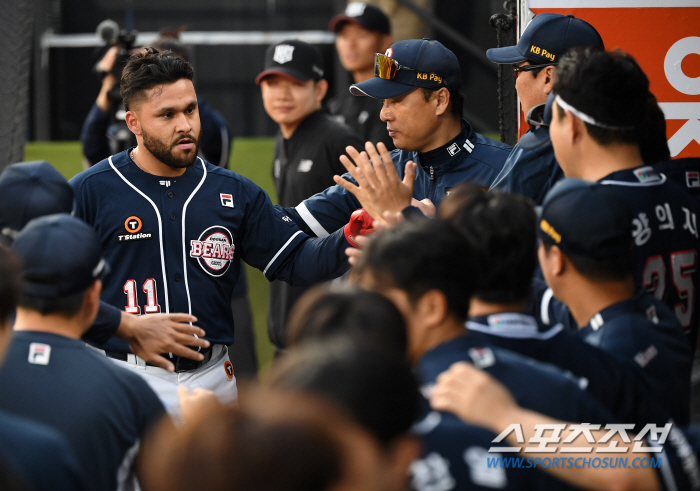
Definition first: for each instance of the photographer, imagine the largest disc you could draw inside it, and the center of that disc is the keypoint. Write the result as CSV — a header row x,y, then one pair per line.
x,y
105,133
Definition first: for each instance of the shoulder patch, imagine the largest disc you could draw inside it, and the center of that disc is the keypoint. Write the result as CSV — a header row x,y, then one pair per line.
x,y
39,354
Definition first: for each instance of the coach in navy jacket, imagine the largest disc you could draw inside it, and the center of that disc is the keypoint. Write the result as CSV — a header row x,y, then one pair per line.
x,y
419,81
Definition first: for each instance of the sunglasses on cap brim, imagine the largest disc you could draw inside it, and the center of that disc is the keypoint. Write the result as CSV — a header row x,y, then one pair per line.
x,y
387,69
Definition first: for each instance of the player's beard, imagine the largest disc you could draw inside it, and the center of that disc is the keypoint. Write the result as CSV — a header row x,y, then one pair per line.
x,y
164,152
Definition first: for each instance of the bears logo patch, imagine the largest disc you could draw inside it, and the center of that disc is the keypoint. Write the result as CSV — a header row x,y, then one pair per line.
x,y
213,250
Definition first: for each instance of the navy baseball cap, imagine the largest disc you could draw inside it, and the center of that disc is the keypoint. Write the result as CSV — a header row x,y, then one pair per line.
x,y
30,190
61,255
413,63
293,59
363,14
546,38
539,118
586,218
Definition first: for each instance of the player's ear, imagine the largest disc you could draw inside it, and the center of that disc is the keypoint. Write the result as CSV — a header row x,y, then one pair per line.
x,y
321,89
442,100
432,307
548,79
132,121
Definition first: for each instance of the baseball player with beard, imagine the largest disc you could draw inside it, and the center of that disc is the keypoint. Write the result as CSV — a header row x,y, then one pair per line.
x,y
171,224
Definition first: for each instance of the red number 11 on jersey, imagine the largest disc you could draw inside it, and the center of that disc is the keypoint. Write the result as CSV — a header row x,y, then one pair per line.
x,y
149,288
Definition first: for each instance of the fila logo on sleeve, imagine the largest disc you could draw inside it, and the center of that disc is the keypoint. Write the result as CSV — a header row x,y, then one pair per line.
x,y
226,200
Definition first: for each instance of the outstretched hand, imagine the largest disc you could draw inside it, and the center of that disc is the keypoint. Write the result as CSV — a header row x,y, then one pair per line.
x,y
379,188
150,335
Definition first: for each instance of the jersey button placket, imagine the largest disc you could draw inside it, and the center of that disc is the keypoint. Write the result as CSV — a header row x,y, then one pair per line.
x,y
170,194
172,216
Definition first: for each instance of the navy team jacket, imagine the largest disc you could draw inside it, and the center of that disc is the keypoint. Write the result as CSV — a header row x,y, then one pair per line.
x,y
170,242
469,157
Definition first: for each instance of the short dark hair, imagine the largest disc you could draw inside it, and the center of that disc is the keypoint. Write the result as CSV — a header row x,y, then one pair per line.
x,y
377,389
329,310
615,268
10,283
144,71
64,306
456,100
610,87
501,230
419,256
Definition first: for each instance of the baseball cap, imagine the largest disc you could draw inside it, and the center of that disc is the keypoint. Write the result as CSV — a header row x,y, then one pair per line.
x,y
293,59
29,190
539,118
363,14
410,64
60,254
586,218
546,38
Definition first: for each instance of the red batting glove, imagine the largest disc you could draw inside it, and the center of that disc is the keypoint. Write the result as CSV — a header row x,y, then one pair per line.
x,y
360,224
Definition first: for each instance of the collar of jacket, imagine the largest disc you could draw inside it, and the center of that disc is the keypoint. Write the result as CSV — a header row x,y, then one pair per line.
x,y
444,158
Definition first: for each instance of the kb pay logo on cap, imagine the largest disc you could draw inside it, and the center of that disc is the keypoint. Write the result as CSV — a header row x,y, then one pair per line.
x,y
283,53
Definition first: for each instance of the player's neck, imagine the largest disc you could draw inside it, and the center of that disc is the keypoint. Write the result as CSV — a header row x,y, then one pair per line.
x,y
479,307
447,130
586,298
288,129
31,320
597,161
434,336
148,163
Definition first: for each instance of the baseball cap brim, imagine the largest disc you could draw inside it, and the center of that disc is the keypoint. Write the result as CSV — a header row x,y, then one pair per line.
x,y
291,74
379,88
535,138
507,54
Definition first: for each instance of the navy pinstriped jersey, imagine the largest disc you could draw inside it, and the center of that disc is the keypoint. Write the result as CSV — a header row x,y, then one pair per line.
x,y
469,157
450,444
679,467
103,410
642,330
171,241
684,172
666,240
617,383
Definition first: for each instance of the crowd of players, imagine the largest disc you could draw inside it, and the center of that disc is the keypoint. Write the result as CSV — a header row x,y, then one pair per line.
x,y
471,324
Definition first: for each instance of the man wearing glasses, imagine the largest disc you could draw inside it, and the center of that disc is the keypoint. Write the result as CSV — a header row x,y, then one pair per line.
x,y
533,171
418,81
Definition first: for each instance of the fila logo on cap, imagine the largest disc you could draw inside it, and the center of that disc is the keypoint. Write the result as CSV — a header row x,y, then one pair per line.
x,y
283,53
226,200
39,354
